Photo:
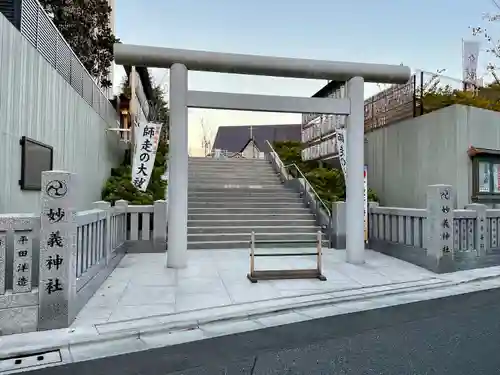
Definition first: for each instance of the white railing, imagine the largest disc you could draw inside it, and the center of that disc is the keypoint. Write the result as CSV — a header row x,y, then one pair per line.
x,y
91,246
399,225
99,233
439,228
464,223
141,223
99,236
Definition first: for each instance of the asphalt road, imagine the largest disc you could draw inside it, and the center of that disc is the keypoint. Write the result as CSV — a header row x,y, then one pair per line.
x,y
455,335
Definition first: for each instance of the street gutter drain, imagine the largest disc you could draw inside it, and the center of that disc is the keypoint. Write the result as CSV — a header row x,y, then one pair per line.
x,y
30,360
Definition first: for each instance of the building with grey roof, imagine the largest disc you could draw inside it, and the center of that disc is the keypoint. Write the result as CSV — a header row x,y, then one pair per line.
x,y
250,140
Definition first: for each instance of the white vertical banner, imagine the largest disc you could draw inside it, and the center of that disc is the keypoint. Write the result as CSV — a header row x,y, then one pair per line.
x,y
135,138
341,147
147,136
365,183
470,55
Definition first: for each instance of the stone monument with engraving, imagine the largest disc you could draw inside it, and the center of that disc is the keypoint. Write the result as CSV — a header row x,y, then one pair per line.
x,y
58,241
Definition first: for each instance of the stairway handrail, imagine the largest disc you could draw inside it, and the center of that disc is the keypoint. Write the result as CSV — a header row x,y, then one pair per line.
x,y
306,181
276,157
316,195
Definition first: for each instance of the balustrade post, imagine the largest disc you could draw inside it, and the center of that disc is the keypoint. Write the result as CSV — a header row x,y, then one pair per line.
x,y
372,224
122,227
439,227
338,225
480,235
58,250
106,207
160,225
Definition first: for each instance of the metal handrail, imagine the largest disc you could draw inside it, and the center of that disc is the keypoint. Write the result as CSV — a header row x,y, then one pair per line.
x,y
304,177
311,187
273,151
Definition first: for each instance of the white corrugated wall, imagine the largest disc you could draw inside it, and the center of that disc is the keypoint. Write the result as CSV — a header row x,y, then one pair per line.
x,y
36,102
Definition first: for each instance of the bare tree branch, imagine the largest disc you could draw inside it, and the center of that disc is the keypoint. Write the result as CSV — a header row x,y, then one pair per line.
x,y
493,44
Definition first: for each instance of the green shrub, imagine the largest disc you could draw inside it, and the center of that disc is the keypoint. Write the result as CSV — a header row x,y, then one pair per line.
x,y
327,181
435,97
119,185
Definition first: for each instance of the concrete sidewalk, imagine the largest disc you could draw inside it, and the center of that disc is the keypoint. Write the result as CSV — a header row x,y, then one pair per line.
x,y
141,286
229,303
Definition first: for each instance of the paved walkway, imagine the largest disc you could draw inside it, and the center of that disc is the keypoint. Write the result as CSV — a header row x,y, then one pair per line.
x,y
143,305
141,286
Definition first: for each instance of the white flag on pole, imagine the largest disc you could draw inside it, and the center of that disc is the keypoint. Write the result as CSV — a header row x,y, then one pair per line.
x,y
470,55
147,136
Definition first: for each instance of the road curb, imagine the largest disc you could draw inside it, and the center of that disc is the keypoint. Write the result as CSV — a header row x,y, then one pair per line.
x,y
156,326
90,337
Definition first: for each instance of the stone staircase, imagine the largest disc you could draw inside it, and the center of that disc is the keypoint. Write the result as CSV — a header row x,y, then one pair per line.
x,y
230,198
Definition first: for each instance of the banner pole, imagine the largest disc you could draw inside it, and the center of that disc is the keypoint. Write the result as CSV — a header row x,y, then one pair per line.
x,y
132,111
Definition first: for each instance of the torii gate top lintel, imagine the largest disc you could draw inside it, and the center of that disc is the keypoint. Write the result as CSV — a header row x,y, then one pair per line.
x,y
159,57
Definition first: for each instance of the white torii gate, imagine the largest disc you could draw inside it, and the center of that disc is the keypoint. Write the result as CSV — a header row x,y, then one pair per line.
x,y
180,61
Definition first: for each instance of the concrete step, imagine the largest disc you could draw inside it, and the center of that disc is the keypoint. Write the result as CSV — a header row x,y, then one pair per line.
x,y
241,237
238,203
245,202
242,169
249,211
276,190
233,175
257,229
230,165
200,168
251,222
230,177
228,161
244,217
250,199
236,172
229,181
234,186
245,198
245,245
222,168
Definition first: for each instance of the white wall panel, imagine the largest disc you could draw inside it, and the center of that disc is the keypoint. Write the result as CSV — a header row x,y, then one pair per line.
x,y
36,102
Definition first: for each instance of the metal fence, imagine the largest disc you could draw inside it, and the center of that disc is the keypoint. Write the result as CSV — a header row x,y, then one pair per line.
x,y
433,88
393,104
37,27
425,92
